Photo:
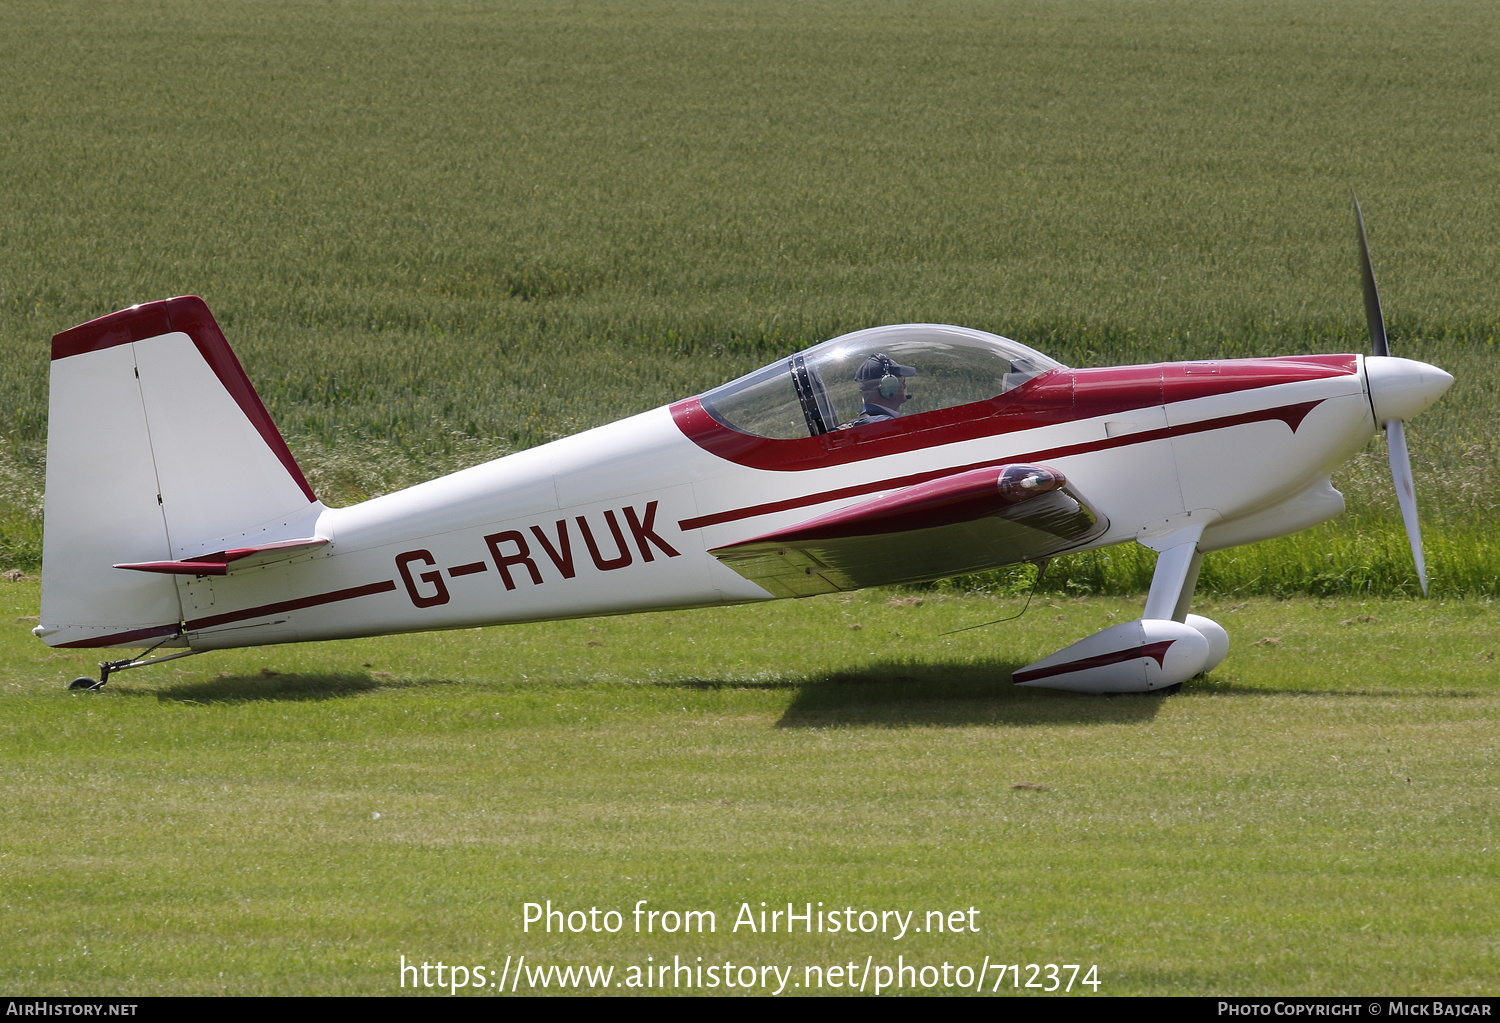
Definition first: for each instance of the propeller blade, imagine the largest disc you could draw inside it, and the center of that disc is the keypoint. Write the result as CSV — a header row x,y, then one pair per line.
x,y
1406,494
1395,429
1372,297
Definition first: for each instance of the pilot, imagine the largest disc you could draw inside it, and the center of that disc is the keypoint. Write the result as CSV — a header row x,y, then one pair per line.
x,y
882,385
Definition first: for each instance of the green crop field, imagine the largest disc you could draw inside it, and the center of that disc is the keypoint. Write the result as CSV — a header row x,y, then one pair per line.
x,y
436,232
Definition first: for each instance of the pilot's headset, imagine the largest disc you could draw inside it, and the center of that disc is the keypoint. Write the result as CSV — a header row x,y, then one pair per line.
x,y
890,383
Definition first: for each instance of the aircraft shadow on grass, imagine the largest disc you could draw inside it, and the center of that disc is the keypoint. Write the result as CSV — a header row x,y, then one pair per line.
x,y
899,694
275,686
891,694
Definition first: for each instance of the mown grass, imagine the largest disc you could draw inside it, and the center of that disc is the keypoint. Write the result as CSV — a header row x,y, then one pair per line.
x,y
1315,817
438,232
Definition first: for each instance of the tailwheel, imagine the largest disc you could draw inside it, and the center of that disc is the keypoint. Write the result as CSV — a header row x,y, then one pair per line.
x,y
108,668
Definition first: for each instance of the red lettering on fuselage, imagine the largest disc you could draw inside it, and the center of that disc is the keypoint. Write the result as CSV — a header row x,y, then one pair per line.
x,y
511,553
645,535
439,595
521,557
562,554
621,560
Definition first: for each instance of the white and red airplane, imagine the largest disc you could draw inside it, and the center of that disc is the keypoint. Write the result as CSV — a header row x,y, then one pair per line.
x,y
176,516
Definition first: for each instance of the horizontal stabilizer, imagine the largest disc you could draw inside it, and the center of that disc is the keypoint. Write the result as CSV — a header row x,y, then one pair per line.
x,y
975,520
224,562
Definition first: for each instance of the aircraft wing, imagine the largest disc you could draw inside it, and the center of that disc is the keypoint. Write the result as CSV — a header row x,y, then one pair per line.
x,y
967,522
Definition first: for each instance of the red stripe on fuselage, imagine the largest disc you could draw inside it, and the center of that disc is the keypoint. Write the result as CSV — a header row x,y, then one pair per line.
x,y
297,604
119,638
292,605
1292,415
1059,396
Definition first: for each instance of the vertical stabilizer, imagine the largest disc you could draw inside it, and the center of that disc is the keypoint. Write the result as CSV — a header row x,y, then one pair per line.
x,y
158,450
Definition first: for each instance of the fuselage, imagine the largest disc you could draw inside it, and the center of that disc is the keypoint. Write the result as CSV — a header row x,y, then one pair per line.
x,y
622,518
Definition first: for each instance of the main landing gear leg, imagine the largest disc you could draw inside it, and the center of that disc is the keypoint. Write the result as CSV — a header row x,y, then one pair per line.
x,y
108,668
1157,652
1178,561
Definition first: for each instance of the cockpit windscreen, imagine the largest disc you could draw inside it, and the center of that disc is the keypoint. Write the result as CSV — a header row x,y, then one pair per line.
x,y
926,367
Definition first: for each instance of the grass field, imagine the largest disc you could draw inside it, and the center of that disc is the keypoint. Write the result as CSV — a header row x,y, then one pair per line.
x,y
1316,817
436,232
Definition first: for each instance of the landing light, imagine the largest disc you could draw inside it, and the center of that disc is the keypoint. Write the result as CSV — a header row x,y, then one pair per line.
x,y
1023,482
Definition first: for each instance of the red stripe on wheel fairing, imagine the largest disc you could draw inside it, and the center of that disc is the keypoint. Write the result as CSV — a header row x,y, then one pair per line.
x,y
1155,651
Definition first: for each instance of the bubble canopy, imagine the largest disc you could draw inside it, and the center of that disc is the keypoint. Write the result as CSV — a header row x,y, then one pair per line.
x,y
815,391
